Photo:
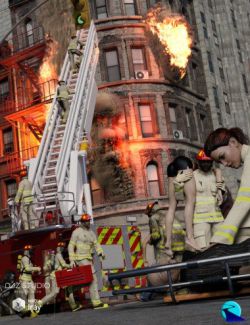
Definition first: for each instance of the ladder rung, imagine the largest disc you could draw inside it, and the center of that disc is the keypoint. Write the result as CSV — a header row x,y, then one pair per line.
x,y
45,208
49,185
50,176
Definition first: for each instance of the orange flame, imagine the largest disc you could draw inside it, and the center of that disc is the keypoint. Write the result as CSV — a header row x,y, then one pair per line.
x,y
173,33
47,72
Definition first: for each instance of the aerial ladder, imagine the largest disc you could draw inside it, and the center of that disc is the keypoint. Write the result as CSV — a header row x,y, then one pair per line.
x,y
58,173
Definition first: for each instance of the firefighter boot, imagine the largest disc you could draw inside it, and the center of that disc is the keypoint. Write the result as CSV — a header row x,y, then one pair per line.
x,y
77,307
98,304
36,309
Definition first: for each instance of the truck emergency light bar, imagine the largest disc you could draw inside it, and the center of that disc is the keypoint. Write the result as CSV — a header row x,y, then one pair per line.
x,y
184,265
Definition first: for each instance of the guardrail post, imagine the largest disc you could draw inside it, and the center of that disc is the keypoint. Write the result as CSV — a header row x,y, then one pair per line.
x,y
229,280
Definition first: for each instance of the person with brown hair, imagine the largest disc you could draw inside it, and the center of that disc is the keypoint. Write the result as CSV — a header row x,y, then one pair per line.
x,y
230,148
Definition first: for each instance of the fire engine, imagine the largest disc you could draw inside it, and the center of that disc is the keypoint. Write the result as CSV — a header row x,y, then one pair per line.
x,y
61,192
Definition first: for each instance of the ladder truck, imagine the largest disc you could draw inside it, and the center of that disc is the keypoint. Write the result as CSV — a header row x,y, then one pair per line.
x,y
58,173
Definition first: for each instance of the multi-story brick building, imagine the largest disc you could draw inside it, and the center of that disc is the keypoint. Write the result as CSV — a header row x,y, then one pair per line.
x,y
152,107
24,94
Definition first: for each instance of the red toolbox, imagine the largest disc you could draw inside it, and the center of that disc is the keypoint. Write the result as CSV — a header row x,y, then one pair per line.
x,y
76,276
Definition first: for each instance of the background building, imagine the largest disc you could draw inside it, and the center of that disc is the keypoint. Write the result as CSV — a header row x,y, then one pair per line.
x,y
223,31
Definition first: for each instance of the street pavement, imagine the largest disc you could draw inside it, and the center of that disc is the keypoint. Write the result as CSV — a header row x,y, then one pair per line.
x,y
137,313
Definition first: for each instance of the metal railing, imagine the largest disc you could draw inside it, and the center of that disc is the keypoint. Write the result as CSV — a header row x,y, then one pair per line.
x,y
27,97
43,217
15,160
22,41
44,93
225,261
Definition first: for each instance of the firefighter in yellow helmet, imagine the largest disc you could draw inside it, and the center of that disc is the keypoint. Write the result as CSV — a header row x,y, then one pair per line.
x,y
27,285
73,50
55,263
157,236
81,247
63,99
210,188
24,198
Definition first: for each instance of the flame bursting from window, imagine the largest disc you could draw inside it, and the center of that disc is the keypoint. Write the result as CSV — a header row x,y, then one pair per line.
x,y
173,33
47,72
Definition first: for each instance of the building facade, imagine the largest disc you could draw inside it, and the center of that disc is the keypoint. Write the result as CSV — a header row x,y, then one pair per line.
x,y
24,94
223,29
153,107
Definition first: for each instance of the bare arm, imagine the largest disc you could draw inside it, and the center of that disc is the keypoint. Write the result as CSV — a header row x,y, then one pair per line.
x,y
190,194
171,212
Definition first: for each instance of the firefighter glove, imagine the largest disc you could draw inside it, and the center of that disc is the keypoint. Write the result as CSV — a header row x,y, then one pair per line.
x,y
102,256
155,235
72,264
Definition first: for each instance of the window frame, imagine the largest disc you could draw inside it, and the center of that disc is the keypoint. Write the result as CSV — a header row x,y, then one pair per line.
x,y
153,181
143,51
172,108
99,190
10,182
149,105
29,32
98,7
216,97
109,50
131,3
4,144
210,62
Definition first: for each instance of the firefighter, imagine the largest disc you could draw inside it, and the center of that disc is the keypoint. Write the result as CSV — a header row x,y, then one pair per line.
x,y
81,248
230,148
157,238
24,198
48,268
26,283
63,100
55,263
72,49
210,188
181,186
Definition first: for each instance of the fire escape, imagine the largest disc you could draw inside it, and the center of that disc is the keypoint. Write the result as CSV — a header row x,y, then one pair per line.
x,y
26,106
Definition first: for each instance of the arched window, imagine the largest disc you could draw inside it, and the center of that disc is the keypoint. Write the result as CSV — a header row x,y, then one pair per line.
x,y
97,192
153,180
29,32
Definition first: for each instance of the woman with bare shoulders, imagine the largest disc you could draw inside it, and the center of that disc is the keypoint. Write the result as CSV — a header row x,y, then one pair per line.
x,y
180,172
230,148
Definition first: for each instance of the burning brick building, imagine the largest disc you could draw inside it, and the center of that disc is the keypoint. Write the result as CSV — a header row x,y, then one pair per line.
x,y
161,118
28,73
150,114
